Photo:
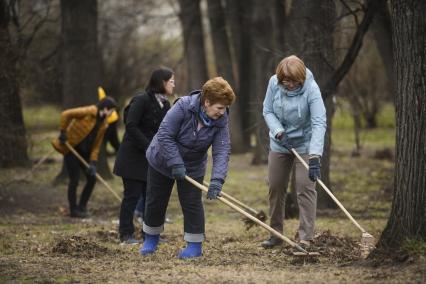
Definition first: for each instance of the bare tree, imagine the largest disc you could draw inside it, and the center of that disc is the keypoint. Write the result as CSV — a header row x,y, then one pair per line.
x,y
261,71
312,29
382,31
13,143
313,42
407,219
190,16
80,52
223,60
238,17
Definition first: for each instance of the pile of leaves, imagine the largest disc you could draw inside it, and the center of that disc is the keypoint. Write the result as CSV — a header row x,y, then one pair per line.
x,y
78,246
336,248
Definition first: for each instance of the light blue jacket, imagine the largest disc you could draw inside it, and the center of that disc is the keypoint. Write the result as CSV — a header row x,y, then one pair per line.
x,y
300,114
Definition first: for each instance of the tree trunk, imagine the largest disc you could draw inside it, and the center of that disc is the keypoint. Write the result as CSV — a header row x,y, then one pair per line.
x,y
407,219
13,143
223,61
382,30
80,52
279,22
190,17
262,70
81,60
238,17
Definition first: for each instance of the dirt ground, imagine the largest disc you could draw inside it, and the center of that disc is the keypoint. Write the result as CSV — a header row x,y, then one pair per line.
x,y
39,243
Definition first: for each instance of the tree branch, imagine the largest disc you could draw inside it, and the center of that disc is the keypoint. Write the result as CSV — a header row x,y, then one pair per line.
x,y
353,51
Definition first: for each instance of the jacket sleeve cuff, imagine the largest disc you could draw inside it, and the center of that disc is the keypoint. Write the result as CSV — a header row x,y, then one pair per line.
x,y
174,162
276,131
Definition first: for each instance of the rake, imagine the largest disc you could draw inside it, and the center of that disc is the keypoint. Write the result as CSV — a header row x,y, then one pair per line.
x,y
367,240
302,252
248,222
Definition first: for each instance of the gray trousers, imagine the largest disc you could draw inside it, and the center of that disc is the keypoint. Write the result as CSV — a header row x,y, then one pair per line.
x,y
279,169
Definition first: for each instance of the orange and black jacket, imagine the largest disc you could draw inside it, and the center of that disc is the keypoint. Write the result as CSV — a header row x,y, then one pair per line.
x,y
78,122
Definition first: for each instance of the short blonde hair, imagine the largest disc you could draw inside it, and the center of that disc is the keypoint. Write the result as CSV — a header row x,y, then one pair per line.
x,y
218,90
291,68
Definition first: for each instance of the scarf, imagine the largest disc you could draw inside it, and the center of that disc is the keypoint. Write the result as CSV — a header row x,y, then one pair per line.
x,y
205,120
162,99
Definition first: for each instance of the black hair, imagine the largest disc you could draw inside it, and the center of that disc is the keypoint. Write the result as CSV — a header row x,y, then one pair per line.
x,y
107,102
158,77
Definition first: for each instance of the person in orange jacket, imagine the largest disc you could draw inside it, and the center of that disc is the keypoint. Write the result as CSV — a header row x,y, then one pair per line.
x,y
84,129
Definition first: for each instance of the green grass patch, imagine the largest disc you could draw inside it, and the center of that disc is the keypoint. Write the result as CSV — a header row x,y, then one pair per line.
x,y
42,117
415,247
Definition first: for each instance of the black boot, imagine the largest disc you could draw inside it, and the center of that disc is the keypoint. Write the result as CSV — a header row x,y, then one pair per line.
x,y
272,242
83,211
76,212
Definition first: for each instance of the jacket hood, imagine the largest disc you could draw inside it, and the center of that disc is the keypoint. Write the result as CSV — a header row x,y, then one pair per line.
x,y
308,81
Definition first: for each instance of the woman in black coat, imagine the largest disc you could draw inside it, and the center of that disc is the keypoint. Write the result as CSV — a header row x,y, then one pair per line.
x,y
142,118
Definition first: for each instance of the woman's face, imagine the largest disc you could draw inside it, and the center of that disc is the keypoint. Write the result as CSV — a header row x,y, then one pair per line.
x,y
291,85
214,111
169,85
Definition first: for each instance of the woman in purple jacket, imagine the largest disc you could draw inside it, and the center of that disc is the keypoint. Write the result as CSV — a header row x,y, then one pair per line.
x,y
179,148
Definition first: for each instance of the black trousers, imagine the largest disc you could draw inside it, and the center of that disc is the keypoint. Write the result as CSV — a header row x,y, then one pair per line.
x,y
74,166
133,189
159,189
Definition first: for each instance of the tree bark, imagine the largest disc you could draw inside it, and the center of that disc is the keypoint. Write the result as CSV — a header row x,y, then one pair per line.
x,y
238,17
279,22
382,31
80,52
13,143
262,69
407,219
224,68
190,17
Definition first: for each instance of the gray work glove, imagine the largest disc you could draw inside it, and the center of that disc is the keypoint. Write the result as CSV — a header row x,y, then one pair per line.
x,y
214,189
91,170
179,172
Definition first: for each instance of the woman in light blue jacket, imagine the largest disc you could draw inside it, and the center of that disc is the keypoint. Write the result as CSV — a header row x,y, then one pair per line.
x,y
295,114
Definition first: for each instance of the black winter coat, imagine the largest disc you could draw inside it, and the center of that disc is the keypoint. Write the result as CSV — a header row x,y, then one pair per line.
x,y
142,120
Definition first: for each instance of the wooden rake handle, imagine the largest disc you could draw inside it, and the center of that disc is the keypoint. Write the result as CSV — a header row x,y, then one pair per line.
x,y
233,199
330,193
254,219
71,148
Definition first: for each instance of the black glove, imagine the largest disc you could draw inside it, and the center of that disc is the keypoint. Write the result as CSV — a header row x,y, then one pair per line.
x,y
91,170
63,137
284,141
314,168
214,189
179,172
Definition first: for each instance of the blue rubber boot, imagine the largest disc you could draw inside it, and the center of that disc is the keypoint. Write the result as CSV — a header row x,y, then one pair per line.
x,y
191,250
150,244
